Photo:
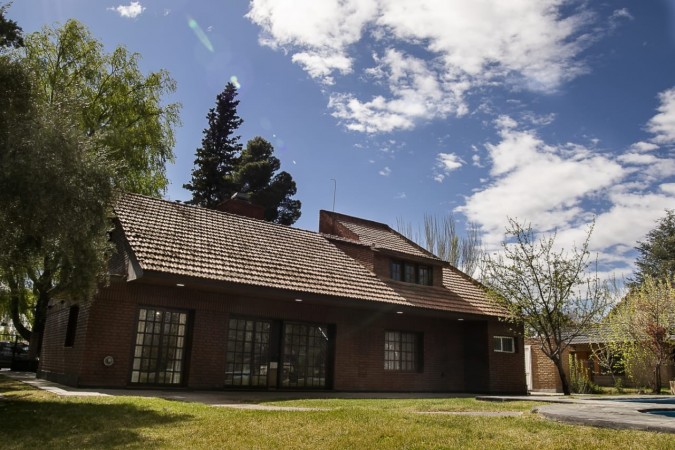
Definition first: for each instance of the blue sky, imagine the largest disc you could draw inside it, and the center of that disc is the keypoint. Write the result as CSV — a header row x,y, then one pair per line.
x,y
548,111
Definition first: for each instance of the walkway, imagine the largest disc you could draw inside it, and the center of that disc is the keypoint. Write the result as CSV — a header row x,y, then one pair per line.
x,y
617,412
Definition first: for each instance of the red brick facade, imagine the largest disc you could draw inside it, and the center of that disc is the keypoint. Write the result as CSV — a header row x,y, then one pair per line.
x,y
306,310
453,359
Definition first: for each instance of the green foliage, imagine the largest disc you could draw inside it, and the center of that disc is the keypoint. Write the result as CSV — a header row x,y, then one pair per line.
x,y
257,173
11,34
554,293
657,252
77,127
114,104
580,382
642,325
223,168
215,160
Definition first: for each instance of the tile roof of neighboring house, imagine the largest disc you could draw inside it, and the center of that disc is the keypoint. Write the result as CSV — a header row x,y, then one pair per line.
x,y
186,240
380,236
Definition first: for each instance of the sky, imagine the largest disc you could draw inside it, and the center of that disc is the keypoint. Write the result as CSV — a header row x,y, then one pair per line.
x,y
552,112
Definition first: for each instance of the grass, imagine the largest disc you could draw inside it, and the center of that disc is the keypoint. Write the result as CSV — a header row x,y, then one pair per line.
x,y
31,418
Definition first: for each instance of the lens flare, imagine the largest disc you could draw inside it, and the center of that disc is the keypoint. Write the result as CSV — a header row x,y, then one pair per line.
x,y
192,23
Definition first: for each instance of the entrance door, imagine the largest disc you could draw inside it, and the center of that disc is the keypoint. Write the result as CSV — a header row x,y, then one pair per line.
x,y
528,366
248,353
159,350
304,356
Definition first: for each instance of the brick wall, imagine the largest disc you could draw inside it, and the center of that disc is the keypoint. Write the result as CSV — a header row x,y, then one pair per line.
x,y
507,370
545,375
359,341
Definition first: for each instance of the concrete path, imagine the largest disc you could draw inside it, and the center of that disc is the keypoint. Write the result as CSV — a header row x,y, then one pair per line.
x,y
617,412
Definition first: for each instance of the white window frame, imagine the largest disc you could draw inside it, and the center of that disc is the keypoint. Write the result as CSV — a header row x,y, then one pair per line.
x,y
500,348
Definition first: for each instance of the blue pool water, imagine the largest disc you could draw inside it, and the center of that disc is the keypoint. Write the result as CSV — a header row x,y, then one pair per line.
x,y
661,412
658,400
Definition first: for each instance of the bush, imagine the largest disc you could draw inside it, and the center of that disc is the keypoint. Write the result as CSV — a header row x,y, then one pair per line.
x,y
580,383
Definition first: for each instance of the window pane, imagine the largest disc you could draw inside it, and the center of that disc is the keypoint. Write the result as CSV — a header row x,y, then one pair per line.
x,y
409,275
396,270
401,351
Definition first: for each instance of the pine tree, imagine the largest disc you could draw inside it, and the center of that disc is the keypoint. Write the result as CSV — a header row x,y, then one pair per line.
x,y
657,251
256,173
212,180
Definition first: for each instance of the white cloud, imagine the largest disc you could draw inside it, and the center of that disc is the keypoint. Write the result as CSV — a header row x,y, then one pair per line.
x,y
415,93
564,187
644,146
446,163
662,125
534,181
385,172
400,196
532,44
131,11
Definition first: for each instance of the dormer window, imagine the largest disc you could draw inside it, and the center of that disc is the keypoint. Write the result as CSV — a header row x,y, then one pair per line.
x,y
411,273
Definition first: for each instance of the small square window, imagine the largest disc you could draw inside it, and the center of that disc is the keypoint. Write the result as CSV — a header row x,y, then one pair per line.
x,y
504,344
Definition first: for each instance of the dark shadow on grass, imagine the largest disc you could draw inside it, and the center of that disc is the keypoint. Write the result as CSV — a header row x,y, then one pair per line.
x,y
68,424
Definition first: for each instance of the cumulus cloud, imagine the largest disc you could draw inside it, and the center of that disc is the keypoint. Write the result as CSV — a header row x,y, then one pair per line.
x,y
565,186
131,11
662,125
534,44
446,163
385,172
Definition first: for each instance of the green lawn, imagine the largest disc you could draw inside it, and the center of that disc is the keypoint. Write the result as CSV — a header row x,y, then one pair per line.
x,y
36,419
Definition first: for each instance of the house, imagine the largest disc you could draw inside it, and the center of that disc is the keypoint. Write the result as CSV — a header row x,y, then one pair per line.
x,y
589,350
208,299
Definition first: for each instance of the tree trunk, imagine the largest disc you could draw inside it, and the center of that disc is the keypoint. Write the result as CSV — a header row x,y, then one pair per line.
x,y
14,302
39,323
563,377
657,379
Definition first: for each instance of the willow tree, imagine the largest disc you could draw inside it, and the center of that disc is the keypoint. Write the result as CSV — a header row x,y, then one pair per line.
x,y
555,293
79,126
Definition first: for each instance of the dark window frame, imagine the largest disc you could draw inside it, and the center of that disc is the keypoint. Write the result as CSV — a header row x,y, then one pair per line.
x,y
423,274
185,348
403,351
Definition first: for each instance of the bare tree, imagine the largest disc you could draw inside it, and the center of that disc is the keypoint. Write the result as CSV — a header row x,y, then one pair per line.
x,y
551,292
439,235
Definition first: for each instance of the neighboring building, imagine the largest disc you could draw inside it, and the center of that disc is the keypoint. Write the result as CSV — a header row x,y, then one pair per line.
x,y
208,299
544,375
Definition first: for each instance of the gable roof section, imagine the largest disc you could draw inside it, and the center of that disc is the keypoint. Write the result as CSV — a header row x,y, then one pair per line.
x,y
184,240
378,235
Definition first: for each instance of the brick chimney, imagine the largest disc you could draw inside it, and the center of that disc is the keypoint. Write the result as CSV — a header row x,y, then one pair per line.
x,y
240,204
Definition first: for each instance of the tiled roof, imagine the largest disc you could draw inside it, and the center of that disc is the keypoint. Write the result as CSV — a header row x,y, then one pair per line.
x,y
177,239
379,235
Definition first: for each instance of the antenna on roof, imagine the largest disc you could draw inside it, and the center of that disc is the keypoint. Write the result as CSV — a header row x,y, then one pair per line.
x,y
334,190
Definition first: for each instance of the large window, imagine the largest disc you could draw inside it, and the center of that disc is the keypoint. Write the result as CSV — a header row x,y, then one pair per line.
x,y
402,351
305,351
159,352
248,349
411,273
504,344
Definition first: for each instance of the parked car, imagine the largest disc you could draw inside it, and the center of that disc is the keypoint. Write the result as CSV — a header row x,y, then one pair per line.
x,y
12,351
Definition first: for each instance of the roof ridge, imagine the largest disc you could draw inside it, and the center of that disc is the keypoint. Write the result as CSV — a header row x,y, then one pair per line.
x,y
206,210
